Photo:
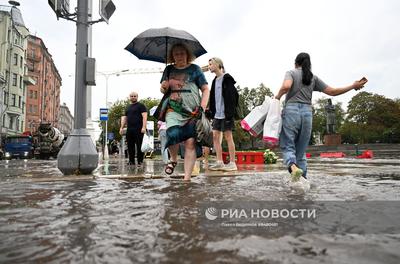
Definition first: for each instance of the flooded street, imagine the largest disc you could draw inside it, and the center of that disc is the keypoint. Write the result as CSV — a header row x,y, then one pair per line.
x,y
128,215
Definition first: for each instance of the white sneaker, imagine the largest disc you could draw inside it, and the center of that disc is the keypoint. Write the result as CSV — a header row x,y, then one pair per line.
x,y
300,186
217,166
231,166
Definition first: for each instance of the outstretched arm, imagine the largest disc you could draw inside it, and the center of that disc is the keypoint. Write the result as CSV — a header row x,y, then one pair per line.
x,y
341,90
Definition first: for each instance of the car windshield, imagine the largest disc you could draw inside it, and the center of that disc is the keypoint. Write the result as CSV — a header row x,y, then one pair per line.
x,y
18,140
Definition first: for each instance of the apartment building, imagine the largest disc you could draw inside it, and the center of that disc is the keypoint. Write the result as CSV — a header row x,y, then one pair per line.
x,y
13,78
43,97
66,120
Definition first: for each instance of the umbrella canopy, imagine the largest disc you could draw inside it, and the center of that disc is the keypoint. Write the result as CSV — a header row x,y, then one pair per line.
x,y
154,44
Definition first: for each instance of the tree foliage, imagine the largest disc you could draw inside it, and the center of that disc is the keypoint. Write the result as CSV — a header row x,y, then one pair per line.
x,y
252,97
117,110
372,118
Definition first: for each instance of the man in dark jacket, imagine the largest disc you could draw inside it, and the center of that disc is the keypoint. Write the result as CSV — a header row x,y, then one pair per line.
x,y
224,98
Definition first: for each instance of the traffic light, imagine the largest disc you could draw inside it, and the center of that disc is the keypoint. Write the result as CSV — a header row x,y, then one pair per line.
x,y
107,8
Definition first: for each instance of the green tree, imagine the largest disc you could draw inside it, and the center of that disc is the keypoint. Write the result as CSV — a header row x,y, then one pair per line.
x,y
374,118
114,117
254,96
150,103
117,110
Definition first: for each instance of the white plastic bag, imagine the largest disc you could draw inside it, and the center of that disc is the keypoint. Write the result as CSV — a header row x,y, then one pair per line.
x,y
254,121
273,124
147,143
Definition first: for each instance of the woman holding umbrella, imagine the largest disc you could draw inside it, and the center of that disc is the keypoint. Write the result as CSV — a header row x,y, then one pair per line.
x,y
183,80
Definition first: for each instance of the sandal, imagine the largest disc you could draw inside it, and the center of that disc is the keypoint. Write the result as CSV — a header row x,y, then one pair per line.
x,y
169,169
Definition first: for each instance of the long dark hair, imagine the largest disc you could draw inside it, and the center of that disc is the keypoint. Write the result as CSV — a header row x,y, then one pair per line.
x,y
303,60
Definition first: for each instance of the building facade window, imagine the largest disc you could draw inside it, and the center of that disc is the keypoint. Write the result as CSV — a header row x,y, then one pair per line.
x,y
31,66
35,97
15,79
13,100
15,59
19,101
5,97
21,82
21,62
17,39
11,123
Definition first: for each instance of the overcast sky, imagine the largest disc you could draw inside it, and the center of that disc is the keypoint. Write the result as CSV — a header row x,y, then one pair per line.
x,y
257,40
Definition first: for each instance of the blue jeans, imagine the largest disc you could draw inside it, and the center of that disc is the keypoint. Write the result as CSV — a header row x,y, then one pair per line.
x,y
295,134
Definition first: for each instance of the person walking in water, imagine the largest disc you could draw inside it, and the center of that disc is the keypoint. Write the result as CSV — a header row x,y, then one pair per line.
x,y
223,100
299,85
188,94
136,119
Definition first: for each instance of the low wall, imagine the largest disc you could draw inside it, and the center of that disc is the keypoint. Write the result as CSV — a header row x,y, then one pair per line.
x,y
391,151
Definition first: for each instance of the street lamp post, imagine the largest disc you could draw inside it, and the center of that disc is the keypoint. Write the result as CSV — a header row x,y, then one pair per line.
x,y
78,155
105,155
107,75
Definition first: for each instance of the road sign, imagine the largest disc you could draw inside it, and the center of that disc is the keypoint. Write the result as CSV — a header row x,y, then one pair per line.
x,y
103,114
60,7
107,8
110,135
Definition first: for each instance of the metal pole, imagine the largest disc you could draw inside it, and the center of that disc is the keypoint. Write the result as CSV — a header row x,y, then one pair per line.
x,y
79,155
81,55
105,155
89,88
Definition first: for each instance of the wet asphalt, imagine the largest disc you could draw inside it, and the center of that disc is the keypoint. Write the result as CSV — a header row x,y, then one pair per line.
x,y
128,214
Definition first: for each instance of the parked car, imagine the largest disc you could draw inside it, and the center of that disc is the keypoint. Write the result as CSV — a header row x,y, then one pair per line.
x,y
18,147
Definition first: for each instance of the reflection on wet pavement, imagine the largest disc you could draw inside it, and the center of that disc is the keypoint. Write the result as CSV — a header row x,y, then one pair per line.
x,y
124,214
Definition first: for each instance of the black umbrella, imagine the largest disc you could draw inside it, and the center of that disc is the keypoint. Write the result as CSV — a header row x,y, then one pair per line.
x,y
153,44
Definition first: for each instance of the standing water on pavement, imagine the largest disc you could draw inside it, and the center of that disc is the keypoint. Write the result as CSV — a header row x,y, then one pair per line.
x,y
130,215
